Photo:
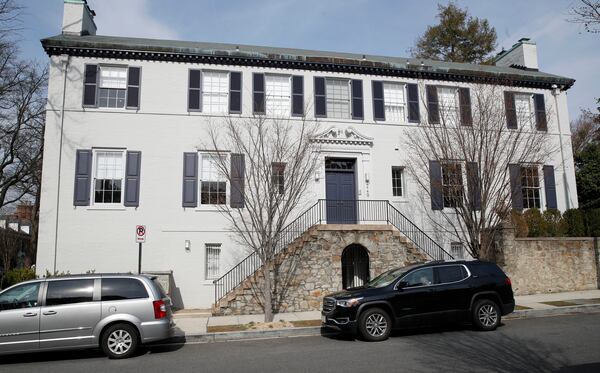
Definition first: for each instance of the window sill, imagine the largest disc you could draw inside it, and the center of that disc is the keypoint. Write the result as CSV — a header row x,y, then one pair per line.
x,y
211,208
107,208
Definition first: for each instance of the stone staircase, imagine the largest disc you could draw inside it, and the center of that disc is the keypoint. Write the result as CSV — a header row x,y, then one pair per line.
x,y
311,267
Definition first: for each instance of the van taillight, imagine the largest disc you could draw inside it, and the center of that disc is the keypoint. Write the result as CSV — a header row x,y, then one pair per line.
x,y
507,281
160,309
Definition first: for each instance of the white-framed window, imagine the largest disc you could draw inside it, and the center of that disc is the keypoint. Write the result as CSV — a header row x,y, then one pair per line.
x,y
278,177
394,102
448,103
457,250
213,255
524,109
213,185
112,86
109,174
452,184
338,98
278,95
530,187
397,186
215,91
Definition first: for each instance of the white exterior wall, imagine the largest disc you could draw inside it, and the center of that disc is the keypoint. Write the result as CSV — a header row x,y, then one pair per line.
x,y
95,238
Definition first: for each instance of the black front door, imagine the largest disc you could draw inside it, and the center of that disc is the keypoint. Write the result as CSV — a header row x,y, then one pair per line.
x,y
340,191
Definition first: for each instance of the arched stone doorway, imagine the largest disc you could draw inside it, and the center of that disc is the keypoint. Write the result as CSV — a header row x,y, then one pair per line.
x,y
355,266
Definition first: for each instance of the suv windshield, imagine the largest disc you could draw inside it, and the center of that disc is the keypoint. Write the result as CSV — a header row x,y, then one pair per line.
x,y
387,278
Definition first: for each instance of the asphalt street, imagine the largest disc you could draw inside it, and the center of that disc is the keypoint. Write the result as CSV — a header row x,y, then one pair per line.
x,y
550,344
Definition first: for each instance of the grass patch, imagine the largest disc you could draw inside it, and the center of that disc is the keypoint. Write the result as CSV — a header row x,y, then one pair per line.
x,y
559,303
521,308
305,323
227,328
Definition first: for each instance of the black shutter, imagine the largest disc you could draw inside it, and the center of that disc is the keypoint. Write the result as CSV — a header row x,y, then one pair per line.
x,y
550,187
194,91
83,178
235,92
516,193
320,98
432,104
258,93
132,179
90,81
511,110
540,112
357,99
297,95
378,101
133,87
190,179
464,100
474,185
435,180
413,103
238,170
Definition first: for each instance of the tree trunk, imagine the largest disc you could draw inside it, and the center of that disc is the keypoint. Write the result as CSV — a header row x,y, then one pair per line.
x,y
267,292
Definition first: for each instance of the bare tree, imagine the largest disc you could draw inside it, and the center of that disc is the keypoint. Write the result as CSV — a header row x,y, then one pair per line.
x,y
474,145
586,13
585,130
9,247
280,161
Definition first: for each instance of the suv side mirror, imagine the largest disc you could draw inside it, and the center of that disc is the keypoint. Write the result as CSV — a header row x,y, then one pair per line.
x,y
401,285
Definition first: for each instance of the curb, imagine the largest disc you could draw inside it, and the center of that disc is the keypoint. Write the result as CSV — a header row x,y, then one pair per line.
x,y
558,311
317,330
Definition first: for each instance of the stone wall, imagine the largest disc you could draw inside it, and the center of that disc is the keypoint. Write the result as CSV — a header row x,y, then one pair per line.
x,y
550,264
311,267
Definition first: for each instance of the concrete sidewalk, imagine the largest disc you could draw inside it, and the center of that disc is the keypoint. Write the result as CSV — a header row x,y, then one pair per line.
x,y
198,322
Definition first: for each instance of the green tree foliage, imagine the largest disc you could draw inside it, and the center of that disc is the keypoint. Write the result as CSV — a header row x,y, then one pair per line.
x,y
575,223
14,276
586,149
592,222
458,37
535,223
554,224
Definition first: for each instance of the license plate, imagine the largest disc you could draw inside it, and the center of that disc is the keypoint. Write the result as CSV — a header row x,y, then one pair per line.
x,y
323,319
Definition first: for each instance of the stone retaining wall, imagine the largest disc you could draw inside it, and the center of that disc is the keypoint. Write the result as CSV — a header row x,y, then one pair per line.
x,y
311,267
550,264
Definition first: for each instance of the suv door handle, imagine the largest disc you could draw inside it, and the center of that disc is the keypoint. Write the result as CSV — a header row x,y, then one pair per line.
x,y
30,314
48,313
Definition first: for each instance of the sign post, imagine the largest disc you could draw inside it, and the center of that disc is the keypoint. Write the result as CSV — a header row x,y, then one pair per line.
x,y
140,238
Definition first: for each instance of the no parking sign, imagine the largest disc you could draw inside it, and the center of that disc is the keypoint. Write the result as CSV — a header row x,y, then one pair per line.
x,y
140,233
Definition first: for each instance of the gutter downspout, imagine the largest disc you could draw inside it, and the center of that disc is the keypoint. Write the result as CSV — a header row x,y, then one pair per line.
x,y
64,61
555,93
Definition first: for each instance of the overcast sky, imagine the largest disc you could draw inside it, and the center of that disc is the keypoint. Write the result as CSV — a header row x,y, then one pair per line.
x,y
384,27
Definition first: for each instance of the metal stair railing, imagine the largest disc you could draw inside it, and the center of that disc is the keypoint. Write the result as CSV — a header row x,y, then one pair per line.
x,y
333,212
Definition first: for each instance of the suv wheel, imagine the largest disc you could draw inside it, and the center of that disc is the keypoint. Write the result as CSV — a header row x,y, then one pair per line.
x,y
120,341
375,325
486,315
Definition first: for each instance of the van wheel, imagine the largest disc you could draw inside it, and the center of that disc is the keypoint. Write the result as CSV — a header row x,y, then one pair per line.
x,y
375,325
486,315
120,341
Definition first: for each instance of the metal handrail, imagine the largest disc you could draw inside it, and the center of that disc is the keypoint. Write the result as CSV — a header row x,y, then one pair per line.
x,y
333,212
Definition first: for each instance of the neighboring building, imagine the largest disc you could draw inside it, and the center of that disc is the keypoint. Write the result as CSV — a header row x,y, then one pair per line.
x,y
15,237
126,117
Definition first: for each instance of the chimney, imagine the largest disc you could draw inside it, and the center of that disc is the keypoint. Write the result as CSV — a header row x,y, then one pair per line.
x,y
522,55
78,18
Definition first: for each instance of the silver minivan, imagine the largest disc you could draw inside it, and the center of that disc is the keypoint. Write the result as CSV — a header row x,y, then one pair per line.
x,y
112,311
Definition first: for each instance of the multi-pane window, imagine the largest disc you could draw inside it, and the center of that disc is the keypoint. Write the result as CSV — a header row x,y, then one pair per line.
x,y
278,95
394,103
213,187
213,253
112,86
108,181
338,98
215,91
457,250
452,184
530,187
447,103
523,109
397,181
278,170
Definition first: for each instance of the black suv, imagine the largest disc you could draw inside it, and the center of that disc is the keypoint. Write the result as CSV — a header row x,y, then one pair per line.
x,y
424,294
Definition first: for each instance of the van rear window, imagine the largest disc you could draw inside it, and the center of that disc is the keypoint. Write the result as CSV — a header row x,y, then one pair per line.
x,y
122,288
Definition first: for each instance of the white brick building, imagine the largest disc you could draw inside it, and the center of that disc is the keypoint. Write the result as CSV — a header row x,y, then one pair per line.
x,y
123,111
